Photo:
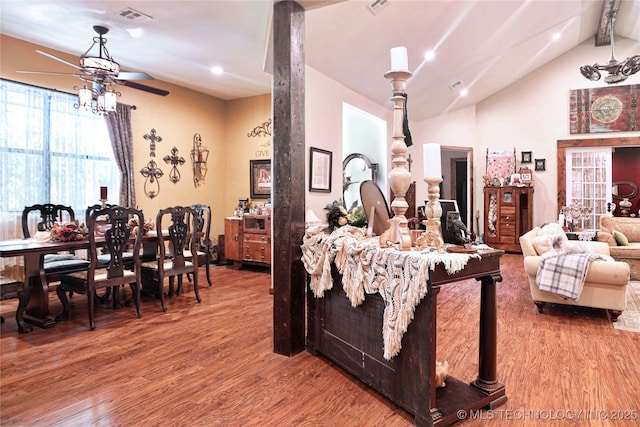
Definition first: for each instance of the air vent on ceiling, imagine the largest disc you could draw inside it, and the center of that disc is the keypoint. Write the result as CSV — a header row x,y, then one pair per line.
x,y
377,5
133,15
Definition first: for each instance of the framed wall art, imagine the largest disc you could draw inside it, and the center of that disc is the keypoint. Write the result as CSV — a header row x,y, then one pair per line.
x,y
540,164
526,157
260,171
320,170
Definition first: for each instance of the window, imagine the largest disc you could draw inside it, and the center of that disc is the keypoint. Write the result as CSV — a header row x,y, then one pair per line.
x,y
50,152
589,183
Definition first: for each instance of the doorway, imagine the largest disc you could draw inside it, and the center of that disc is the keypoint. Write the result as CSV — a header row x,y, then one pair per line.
x,y
457,173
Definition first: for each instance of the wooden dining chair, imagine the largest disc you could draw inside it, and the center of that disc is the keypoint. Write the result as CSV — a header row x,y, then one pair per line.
x,y
202,239
55,265
171,261
11,288
117,236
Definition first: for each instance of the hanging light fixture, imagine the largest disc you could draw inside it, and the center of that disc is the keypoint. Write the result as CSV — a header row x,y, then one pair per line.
x,y
99,100
618,71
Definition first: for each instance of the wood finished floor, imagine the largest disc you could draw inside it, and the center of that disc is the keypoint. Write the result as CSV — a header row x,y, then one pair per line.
x,y
211,364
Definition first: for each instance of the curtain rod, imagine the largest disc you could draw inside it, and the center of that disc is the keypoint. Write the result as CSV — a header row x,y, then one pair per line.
x,y
133,107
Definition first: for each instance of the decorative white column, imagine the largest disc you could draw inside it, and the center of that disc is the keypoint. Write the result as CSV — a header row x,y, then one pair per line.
x,y
432,237
399,177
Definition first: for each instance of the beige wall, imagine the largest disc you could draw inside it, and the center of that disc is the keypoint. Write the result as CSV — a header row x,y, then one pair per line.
x,y
243,115
222,125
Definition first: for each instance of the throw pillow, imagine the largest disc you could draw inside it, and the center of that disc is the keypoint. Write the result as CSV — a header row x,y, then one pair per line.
x,y
621,239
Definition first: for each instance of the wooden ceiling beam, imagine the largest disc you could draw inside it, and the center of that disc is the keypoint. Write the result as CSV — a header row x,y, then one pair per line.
x,y
603,36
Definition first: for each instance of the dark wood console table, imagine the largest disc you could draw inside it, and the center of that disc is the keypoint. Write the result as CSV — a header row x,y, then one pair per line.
x,y
352,338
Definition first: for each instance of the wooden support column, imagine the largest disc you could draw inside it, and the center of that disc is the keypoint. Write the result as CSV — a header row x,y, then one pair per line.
x,y
288,184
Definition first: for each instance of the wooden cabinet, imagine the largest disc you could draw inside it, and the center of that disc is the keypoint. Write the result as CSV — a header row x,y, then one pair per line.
x,y
248,239
508,215
233,239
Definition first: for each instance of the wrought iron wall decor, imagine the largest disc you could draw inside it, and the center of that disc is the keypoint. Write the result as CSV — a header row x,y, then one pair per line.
x,y
263,129
199,157
151,185
151,136
175,160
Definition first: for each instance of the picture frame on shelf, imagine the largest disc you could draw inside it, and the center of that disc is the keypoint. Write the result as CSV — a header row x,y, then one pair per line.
x,y
260,173
320,162
526,176
525,157
540,164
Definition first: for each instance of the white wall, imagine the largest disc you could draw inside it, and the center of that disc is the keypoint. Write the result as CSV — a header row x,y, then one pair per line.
x,y
530,115
323,128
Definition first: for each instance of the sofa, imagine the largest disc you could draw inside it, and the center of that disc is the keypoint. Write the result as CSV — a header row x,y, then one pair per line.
x,y
605,285
630,229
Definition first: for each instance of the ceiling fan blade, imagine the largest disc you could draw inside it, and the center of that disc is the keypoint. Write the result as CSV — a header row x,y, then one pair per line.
x,y
139,86
48,72
58,59
134,76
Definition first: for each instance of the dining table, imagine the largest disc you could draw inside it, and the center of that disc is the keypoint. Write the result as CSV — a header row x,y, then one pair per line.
x,y
33,251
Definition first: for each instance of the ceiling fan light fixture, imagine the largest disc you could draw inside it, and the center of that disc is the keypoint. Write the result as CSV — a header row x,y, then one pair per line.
x,y
618,71
100,64
85,98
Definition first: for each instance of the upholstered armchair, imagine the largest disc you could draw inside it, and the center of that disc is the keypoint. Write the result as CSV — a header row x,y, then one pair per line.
x,y
605,285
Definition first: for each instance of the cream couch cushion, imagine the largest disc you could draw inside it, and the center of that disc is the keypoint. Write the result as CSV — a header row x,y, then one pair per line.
x,y
605,285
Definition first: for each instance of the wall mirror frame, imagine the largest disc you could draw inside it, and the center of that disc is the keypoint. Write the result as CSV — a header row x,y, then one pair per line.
x,y
351,185
563,144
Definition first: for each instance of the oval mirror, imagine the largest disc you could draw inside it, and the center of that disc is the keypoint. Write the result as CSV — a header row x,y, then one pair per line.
x,y
356,168
624,190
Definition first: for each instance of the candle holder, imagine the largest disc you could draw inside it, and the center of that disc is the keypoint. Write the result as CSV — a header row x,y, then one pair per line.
x,y
432,237
399,177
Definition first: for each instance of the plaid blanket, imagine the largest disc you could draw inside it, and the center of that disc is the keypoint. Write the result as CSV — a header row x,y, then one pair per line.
x,y
564,274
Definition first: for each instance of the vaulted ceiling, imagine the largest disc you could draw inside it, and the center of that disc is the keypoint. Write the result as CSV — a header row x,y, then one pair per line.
x,y
484,45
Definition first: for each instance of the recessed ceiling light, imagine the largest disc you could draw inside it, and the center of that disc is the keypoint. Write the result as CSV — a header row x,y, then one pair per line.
x,y
429,55
464,92
217,70
556,36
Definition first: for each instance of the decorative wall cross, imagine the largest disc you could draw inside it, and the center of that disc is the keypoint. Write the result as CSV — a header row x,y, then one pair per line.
x,y
151,172
174,175
151,136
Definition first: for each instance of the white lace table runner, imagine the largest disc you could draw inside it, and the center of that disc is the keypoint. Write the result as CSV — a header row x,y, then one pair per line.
x,y
400,277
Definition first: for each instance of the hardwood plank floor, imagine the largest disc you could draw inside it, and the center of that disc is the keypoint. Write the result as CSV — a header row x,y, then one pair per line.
x,y
212,364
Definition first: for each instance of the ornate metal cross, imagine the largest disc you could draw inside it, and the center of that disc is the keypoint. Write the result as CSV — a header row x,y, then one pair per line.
x,y
174,175
151,136
152,172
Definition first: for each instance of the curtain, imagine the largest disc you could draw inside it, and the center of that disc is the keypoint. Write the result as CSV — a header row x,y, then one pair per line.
x,y
121,135
50,152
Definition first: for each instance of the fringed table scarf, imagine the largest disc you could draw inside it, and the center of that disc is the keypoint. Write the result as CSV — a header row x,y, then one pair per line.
x,y
400,277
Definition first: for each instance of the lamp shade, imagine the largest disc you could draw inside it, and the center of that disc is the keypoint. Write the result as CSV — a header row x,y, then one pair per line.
x,y
85,97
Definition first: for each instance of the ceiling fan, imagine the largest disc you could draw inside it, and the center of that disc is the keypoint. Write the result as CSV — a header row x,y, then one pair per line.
x,y
101,71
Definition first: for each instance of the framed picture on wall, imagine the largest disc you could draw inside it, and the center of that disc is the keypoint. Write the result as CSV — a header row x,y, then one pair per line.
x,y
260,171
540,164
526,157
320,170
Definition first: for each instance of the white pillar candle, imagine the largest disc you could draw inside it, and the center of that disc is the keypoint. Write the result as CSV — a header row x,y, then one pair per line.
x,y
399,59
432,168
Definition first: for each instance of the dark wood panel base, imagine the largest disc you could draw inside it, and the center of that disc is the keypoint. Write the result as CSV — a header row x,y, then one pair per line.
x,y
457,400
351,337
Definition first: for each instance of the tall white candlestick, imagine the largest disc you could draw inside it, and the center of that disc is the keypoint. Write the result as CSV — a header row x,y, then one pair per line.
x,y
432,168
399,59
